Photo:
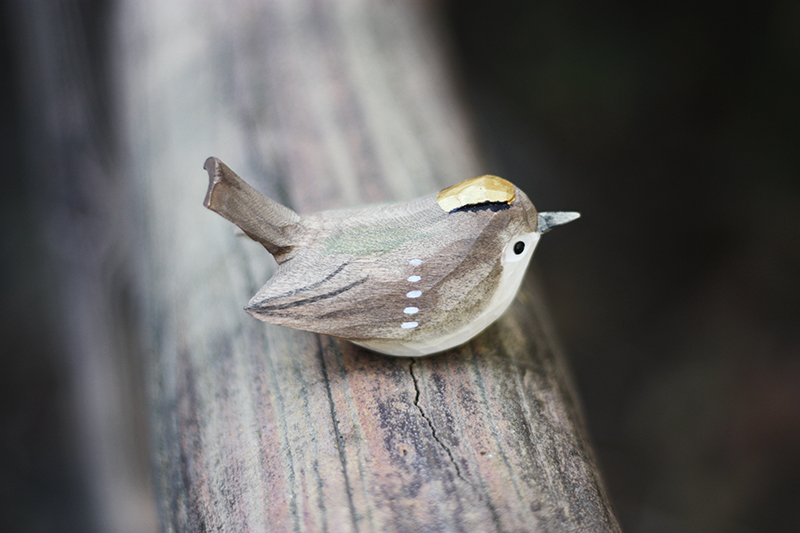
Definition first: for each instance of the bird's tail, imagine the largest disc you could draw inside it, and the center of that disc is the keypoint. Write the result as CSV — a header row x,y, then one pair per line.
x,y
262,219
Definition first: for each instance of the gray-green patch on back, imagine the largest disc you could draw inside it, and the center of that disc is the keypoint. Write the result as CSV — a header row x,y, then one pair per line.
x,y
371,240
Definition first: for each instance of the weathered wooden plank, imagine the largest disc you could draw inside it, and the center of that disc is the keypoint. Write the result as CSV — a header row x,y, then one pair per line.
x,y
256,427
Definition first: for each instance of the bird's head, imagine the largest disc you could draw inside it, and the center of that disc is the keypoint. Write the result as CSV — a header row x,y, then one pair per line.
x,y
507,212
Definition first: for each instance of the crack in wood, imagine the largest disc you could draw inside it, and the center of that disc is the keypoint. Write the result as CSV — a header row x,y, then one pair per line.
x,y
433,430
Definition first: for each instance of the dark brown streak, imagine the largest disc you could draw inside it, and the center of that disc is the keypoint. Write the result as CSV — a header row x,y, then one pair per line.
x,y
307,287
337,434
337,292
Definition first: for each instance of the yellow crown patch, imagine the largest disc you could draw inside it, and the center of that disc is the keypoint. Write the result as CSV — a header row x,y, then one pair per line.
x,y
476,191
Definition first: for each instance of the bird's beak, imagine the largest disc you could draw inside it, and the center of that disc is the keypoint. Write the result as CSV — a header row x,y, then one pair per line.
x,y
549,220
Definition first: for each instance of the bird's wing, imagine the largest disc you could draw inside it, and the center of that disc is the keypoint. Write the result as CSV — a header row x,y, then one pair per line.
x,y
404,295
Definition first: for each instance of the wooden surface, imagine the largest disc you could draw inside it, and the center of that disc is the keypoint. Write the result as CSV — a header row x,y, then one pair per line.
x,y
258,427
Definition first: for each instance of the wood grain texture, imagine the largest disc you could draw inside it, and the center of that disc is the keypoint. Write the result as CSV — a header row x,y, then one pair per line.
x,y
257,427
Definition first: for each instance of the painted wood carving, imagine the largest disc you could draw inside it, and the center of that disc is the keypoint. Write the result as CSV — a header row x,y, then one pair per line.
x,y
408,279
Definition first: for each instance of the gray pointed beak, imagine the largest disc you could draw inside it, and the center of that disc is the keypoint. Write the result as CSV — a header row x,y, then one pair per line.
x,y
549,220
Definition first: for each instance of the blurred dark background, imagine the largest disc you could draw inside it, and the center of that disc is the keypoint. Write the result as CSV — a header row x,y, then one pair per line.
x,y
674,129
42,487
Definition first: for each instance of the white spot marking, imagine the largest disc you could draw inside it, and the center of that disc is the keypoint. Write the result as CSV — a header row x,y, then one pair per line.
x,y
414,294
411,310
409,325
415,262
414,279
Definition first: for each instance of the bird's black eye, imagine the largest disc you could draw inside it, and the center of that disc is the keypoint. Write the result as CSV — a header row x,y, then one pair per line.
x,y
519,247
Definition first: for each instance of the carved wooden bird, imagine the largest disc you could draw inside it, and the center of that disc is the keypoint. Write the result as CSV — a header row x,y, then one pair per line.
x,y
408,278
